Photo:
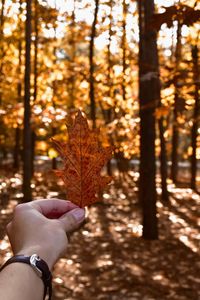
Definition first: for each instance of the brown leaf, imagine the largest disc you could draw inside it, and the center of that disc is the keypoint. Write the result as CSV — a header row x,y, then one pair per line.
x,y
183,13
83,158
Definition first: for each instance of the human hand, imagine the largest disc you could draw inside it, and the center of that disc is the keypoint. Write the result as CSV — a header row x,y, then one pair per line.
x,y
42,226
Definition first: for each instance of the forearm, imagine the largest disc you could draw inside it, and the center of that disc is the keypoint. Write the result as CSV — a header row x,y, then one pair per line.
x,y
19,281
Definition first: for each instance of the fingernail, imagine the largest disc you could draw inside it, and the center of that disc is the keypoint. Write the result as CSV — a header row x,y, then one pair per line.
x,y
79,214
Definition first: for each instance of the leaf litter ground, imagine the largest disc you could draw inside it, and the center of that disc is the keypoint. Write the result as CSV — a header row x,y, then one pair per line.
x,y
107,259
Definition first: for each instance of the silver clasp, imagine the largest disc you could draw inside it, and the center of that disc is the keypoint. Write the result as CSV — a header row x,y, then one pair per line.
x,y
33,260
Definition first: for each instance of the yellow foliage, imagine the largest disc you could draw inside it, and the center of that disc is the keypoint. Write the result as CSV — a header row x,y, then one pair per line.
x,y
52,153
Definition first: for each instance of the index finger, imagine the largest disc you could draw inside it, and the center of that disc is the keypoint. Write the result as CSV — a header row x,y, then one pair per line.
x,y
53,207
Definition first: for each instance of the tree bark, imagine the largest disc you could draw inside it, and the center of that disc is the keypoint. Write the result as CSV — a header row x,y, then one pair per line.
x,y
27,166
92,66
108,115
124,41
16,155
175,134
163,162
72,42
148,95
2,27
54,87
35,51
35,67
1,46
196,114
2,16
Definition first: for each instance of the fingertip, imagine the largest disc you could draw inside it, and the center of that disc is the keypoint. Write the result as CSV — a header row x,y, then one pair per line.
x,y
73,219
79,214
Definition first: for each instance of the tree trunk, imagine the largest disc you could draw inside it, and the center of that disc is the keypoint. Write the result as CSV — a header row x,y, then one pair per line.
x,y
35,77
72,42
1,47
16,155
124,41
148,94
2,17
54,87
27,167
91,62
35,51
163,162
196,114
108,117
175,135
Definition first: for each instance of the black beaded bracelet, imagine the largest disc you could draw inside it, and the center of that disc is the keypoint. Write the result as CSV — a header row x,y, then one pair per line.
x,y
39,266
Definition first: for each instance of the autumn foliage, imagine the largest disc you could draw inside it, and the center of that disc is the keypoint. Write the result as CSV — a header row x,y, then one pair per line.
x,y
83,158
132,66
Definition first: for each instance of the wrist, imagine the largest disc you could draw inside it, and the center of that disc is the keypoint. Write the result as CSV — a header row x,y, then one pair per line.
x,y
46,256
37,264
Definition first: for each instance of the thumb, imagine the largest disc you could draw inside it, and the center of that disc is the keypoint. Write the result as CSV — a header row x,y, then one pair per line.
x,y
72,219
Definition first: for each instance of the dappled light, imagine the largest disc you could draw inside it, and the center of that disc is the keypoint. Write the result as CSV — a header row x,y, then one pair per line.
x,y
109,246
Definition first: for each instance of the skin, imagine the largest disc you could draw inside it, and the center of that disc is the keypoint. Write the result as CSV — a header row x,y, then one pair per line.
x,y
39,227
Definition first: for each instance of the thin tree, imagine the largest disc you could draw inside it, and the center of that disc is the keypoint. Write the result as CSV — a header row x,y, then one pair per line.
x,y
109,61
92,66
72,42
27,157
124,50
107,113
35,71
19,92
148,97
54,83
163,160
196,114
2,54
2,19
36,50
175,133
108,116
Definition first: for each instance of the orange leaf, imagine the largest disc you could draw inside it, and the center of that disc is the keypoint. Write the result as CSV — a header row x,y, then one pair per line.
x,y
83,158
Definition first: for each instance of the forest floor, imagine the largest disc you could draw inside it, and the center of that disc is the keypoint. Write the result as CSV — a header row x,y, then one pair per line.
x,y
107,259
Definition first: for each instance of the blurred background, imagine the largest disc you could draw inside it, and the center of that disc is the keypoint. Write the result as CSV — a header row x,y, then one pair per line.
x,y
133,68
